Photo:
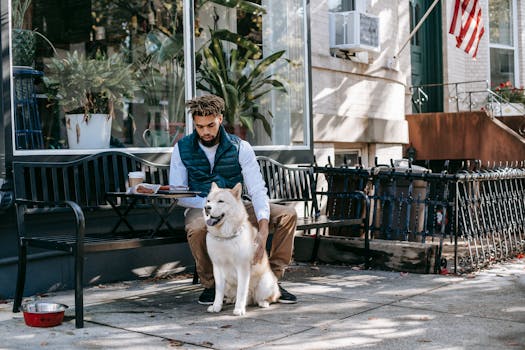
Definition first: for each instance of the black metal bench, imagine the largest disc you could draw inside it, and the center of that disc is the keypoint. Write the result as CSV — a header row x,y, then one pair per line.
x,y
289,184
78,187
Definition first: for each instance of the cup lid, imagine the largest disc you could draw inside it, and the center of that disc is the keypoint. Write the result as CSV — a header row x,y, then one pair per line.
x,y
137,174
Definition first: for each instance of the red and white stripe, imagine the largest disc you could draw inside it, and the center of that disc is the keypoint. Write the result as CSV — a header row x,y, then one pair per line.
x,y
467,25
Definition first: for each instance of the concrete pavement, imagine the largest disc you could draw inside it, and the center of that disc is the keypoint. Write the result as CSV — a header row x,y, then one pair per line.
x,y
339,308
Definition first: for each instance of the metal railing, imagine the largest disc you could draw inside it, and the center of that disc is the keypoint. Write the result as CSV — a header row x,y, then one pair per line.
x,y
469,96
472,218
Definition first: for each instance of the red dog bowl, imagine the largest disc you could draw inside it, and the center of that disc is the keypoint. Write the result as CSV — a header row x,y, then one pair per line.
x,y
43,314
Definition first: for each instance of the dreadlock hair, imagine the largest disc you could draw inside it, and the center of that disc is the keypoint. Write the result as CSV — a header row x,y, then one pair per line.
x,y
206,105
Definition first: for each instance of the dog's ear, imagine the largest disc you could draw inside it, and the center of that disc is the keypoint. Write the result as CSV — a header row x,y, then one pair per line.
x,y
213,186
237,190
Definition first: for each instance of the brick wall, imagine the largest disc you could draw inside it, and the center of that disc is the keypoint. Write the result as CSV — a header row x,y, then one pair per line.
x,y
459,66
346,92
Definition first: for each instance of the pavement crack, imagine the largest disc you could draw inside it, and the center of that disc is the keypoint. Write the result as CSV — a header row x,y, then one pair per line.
x,y
171,340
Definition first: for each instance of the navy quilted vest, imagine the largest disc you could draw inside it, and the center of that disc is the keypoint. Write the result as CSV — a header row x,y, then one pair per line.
x,y
226,172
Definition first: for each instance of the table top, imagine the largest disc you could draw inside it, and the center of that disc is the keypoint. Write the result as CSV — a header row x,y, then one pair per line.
x,y
160,194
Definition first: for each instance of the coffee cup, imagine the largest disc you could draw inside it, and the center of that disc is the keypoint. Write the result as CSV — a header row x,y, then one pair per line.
x,y
135,178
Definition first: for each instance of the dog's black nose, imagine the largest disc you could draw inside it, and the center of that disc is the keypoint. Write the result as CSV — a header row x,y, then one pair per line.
x,y
207,209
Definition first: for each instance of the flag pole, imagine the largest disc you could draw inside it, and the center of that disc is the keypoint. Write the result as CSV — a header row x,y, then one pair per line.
x,y
416,28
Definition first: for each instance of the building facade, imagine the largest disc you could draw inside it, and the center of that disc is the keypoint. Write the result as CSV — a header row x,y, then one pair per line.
x,y
358,94
338,76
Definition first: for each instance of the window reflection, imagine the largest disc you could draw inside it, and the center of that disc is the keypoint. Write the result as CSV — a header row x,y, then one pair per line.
x,y
502,43
500,16
253,56
147,35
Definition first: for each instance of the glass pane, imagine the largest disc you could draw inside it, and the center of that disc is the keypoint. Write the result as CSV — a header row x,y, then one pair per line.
x,y
341,5
501,66
252,55
500,17
112,48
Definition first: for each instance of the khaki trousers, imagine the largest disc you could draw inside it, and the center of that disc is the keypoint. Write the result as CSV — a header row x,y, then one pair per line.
x,y
282,223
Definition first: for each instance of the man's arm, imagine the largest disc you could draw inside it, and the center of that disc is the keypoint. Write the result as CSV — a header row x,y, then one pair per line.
x,y
254,182
179,177
257,190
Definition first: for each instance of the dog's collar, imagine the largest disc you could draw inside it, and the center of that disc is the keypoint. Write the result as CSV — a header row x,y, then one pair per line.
x,y
222,238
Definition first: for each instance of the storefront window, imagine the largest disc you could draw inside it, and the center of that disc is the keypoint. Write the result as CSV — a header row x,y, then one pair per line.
x,y
254,56
127,59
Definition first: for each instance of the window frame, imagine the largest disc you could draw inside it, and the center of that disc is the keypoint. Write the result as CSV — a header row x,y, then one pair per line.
x,y
304,150
514,48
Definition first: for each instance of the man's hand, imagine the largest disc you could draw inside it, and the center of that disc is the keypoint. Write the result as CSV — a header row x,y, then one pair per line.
x,y
260,241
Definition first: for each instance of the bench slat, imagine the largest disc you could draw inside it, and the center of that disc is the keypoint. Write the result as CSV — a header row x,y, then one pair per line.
x,y
99,243
310,223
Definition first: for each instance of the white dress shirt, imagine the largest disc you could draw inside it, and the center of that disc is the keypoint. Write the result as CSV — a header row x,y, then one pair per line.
x,y
250,172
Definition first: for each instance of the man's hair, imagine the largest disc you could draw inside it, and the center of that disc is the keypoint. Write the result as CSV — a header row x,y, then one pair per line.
x,y
206,105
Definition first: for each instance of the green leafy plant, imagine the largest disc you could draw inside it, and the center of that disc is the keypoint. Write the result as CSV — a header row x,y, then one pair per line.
x,y
244,5
88,86
23,38
240,80
160,72
510,93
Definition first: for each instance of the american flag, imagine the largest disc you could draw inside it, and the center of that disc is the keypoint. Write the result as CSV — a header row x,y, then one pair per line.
x,y
467,25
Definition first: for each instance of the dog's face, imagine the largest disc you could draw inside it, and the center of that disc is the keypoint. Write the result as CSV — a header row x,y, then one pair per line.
x,y
222,203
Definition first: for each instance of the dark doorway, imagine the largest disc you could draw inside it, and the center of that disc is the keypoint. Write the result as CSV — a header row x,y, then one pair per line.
x,y
426,57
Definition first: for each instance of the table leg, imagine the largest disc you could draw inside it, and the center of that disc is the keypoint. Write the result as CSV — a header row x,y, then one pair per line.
x,y
164,215
122,215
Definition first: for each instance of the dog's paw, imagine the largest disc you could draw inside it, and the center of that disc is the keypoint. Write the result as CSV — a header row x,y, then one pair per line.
x,y
214,308
263,303
239,311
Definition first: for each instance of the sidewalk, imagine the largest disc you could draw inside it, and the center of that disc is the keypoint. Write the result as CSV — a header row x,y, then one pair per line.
x,y
339,308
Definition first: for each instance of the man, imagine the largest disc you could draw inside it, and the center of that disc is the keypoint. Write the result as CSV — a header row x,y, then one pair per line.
x,y
209,155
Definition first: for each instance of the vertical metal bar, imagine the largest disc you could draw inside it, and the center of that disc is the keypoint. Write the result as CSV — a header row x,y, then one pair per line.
x,y
55,183
65,183
99,192
86,179
76,184
189,56
44,183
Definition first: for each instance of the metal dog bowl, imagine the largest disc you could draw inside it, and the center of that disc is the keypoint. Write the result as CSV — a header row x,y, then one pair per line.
x,y
43,314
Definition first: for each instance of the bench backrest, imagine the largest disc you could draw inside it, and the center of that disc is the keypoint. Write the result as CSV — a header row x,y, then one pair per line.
x,y
289,183
85,180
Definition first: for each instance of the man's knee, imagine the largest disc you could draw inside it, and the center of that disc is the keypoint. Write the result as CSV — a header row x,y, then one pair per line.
x,y
291,212
194,224
287,216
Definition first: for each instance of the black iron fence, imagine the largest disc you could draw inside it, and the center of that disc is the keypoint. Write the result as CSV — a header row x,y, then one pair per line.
x,y
473,217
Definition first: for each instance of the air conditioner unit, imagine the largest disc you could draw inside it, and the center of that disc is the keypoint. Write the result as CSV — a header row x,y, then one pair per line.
x,y
354,31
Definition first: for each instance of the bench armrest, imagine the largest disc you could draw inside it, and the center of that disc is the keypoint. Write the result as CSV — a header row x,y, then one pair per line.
x,y
80,221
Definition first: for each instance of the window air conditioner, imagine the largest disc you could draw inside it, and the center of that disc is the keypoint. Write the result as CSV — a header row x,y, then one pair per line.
x,y
354,31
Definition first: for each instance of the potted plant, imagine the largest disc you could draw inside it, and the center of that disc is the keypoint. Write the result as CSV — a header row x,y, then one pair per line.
x,y
238,78
509,100
90,91
23,39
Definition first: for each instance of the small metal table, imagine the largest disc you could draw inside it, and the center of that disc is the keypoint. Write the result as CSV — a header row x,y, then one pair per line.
x,y
162,203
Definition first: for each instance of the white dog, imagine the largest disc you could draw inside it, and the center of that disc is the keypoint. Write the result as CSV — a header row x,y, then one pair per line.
x,y
231,247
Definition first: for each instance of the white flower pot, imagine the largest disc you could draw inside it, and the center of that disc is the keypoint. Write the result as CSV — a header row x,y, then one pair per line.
x,y
91,131
507,109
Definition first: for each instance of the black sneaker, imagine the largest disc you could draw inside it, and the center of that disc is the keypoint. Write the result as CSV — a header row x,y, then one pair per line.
x,y
286,297
207,296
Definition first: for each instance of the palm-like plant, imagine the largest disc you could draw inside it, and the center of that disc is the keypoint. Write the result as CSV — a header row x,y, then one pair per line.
x,y
238,79
161,73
